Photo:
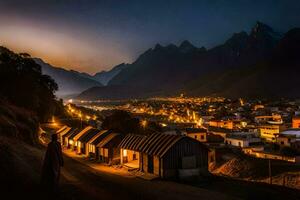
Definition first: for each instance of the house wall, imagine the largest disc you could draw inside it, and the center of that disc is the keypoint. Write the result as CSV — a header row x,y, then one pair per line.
x,y
236,142
222,124
128,155
296,123
90,149
201,137
156,165
269,133
179,153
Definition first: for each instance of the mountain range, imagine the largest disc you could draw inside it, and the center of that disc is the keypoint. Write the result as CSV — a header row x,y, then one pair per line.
x,y
261,63
72,82
247,65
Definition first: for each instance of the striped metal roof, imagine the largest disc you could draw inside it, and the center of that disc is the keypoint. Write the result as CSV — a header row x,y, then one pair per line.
x,y
71,133
96,136
88,135
158,144
101,137
132,142
82,132
61,129
108,138
65,131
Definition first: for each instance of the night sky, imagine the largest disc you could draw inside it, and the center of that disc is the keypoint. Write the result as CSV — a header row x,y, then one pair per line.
x,y
91,36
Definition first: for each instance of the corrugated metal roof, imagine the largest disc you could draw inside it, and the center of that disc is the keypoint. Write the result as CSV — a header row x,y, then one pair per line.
x,y
71,133
61,129
65,131
88,135
132,142
107,139
96,136
82,132
101,137
158,144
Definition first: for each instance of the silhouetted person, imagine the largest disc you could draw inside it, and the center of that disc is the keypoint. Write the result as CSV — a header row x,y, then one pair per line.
x,y
51,167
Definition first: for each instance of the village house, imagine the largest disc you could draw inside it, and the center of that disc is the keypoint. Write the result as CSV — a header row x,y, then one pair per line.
x,y
296,122
61,129
166,156
65,138
74,138
223,132
82,141
228,124
98,153
69,137
242,140
199,134
129,150
90,149
108,147
270,119
268,132
285,140
173,156
61,132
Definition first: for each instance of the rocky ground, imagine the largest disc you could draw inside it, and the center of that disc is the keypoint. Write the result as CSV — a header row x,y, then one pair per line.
x,y
257,170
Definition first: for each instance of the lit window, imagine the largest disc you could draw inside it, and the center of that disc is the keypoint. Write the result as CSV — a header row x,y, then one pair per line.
x,y
124,152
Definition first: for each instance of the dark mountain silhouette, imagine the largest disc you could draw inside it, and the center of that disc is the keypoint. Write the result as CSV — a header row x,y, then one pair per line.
x,y
275,77
105,76
233,68
170,67
69,82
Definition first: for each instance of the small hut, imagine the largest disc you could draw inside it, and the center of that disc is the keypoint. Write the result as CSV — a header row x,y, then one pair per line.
x,y
83,140
66,137
108,148
129,150
77,145
61,132
91,148
173,156
96,141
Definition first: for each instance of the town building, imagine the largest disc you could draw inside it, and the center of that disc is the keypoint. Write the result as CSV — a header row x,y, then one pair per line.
x,y
228,124
223,132
269,132
285,140
199,134
242,140
296,122
269,119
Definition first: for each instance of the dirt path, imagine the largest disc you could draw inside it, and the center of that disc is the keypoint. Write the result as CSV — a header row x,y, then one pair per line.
x,y
101,185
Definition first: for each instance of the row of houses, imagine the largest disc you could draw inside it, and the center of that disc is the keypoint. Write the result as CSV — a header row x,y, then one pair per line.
x,y
163,155
98,144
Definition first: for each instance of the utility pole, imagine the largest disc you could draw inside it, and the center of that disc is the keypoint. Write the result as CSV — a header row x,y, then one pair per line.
x,y
270,172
